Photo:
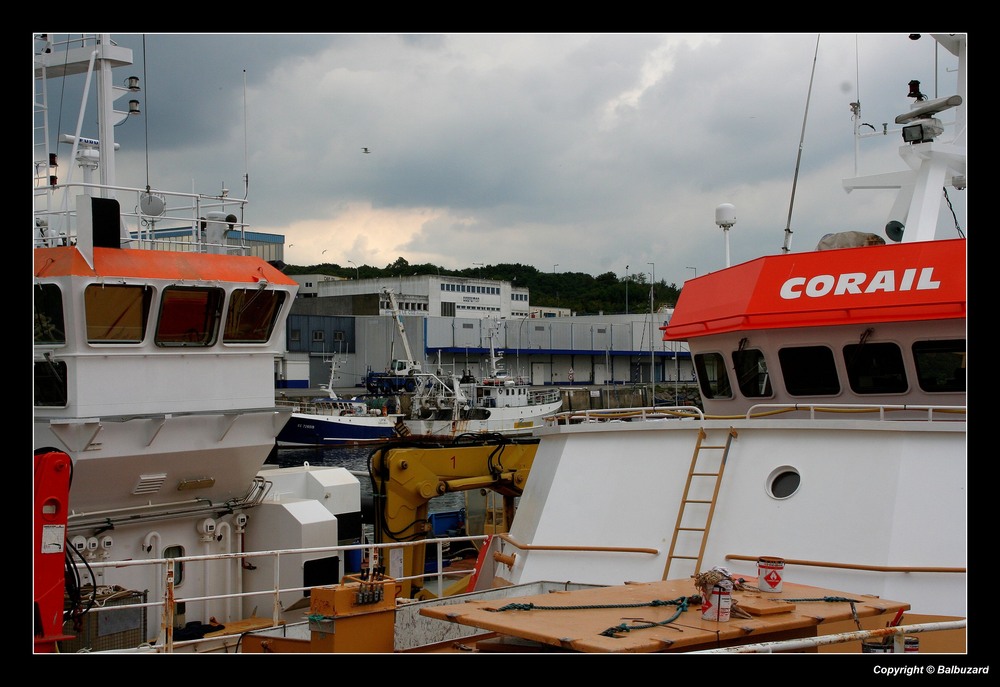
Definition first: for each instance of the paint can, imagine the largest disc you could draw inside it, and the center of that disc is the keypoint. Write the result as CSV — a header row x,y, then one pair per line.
x,y
770,572
911,644
718,604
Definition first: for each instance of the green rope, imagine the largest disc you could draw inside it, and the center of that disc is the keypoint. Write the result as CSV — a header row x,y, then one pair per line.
x,y
681,603
535,607
682,606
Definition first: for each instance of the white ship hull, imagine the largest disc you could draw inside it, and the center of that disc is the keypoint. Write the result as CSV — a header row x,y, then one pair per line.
x,y
871,494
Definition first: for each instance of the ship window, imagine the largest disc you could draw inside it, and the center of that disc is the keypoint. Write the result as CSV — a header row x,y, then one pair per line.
x,y
50,383
117,313
809,371
875,368
751,373
712,376
50,328
940,364
252,314
783,482
189,316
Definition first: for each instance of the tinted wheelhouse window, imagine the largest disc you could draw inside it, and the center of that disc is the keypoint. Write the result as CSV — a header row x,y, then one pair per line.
x,y
809,371
189,316
252,314
117,313
50,328
875,368
712,376
50,383
751,373
940,364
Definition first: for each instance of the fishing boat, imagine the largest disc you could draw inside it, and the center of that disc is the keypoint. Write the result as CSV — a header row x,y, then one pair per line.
x,y
334,421
155,335
447,406
830,451
833,434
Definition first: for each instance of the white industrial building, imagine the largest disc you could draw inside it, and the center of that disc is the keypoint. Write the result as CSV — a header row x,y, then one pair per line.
x,y
450,322
430,295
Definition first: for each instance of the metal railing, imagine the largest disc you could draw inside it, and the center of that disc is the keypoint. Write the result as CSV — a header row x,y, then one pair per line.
x,y
898,634
636,414
929,413
169,598
883,410
178,226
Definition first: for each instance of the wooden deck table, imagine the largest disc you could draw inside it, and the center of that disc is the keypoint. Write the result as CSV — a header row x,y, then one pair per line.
x,y
631,618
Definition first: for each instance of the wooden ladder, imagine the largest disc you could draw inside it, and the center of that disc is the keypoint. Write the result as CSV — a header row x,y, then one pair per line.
x,y
699,472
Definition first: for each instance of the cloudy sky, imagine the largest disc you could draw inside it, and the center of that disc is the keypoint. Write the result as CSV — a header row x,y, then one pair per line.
x,y
569,152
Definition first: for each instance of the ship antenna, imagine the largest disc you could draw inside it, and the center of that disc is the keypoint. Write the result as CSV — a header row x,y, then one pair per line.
x,y
798,158
246,163
145,120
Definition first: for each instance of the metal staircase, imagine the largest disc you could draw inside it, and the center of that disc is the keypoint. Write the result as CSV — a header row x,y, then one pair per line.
x,y
704,474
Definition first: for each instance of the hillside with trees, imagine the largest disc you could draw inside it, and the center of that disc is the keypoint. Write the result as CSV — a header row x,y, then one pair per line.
x,y
581,293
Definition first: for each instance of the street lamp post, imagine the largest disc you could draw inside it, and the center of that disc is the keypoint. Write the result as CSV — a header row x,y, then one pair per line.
x,y
557,289
626,289
652,279
652,362
695,271
357,270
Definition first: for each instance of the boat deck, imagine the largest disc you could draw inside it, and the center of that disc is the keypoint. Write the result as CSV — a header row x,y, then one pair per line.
x,y
644,617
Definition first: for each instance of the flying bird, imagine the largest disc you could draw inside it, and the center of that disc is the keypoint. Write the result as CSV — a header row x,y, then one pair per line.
x,y
365,151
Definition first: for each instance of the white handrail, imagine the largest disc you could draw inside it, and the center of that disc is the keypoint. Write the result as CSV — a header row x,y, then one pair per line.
x,y
898,633
756,411
880,408
167,645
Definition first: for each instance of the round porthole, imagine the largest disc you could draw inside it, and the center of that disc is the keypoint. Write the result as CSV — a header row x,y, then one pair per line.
x,y
783,482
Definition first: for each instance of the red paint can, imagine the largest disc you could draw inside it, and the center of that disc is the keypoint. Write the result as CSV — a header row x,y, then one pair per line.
x,y
770,573
717,606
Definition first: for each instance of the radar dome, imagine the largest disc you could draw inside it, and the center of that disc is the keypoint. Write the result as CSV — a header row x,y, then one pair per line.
x,y
725,215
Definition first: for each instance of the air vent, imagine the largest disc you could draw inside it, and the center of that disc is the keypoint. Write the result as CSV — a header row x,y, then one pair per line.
x,y
149,484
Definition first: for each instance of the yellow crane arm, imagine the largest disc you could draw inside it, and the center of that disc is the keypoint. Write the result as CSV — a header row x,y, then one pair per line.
x,y
405,479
